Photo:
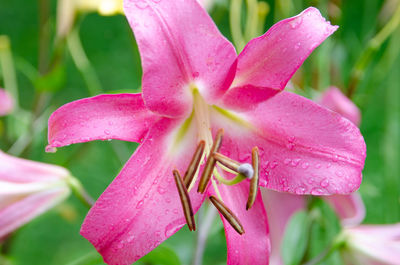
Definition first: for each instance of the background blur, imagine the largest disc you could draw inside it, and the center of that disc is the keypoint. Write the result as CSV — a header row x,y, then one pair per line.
x,y
51,73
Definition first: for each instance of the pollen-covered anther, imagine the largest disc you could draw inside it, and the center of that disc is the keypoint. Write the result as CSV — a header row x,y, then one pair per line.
x,y
210,163
228,214
255,180
227,162
246,170
194,164
185,200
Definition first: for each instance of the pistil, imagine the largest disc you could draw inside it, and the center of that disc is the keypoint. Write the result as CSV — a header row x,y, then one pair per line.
x,y
185,200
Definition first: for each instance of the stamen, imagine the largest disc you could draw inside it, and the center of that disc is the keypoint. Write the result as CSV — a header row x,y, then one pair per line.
x,y
255,180
210,164
194,164
228,214
185,200
227,162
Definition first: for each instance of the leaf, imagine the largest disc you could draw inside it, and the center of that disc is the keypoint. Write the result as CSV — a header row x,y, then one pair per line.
x,y
324,229
161,255
295,239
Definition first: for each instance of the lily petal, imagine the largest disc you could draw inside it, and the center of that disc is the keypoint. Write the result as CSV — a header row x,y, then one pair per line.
x,y
373,244
304,148
179,45
280,208
268,62
120,116
350,208
252,247
17,170
23,210
141,207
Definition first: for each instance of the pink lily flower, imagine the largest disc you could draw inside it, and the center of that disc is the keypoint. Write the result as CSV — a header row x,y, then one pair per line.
x,y
27,189
372,245
350,208
335,100
6,103
193,85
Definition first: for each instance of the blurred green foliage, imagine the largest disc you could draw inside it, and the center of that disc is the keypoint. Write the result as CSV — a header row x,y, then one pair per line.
x,y
109,44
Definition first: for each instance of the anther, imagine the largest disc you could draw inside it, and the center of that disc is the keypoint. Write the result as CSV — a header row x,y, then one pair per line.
x,y
194,164
210,164
255,180
185,200
228,214
227,162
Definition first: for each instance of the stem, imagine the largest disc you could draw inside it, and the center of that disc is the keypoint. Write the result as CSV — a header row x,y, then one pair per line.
x,y
79,191
82,63
204,230
235,24
25,139
251,19
8,70
372,46
262,12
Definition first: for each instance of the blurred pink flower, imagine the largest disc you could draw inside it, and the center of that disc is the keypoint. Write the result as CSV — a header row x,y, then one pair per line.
x,y
372,244
194,84
6,102
335,100
27,189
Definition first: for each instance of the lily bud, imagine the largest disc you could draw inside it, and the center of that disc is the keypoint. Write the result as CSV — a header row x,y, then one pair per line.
x,y
27,189
6,103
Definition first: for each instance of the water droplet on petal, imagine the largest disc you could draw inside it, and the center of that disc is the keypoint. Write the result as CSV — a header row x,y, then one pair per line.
x,y
161,190
172,228
107,132
324,183
139,204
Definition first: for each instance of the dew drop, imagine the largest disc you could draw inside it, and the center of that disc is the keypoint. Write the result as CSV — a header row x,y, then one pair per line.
x,y
161,190
172,228
300,190
107,132
295,162
141,4
139,204
305,165
317,191
324,183
339,174
297,46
